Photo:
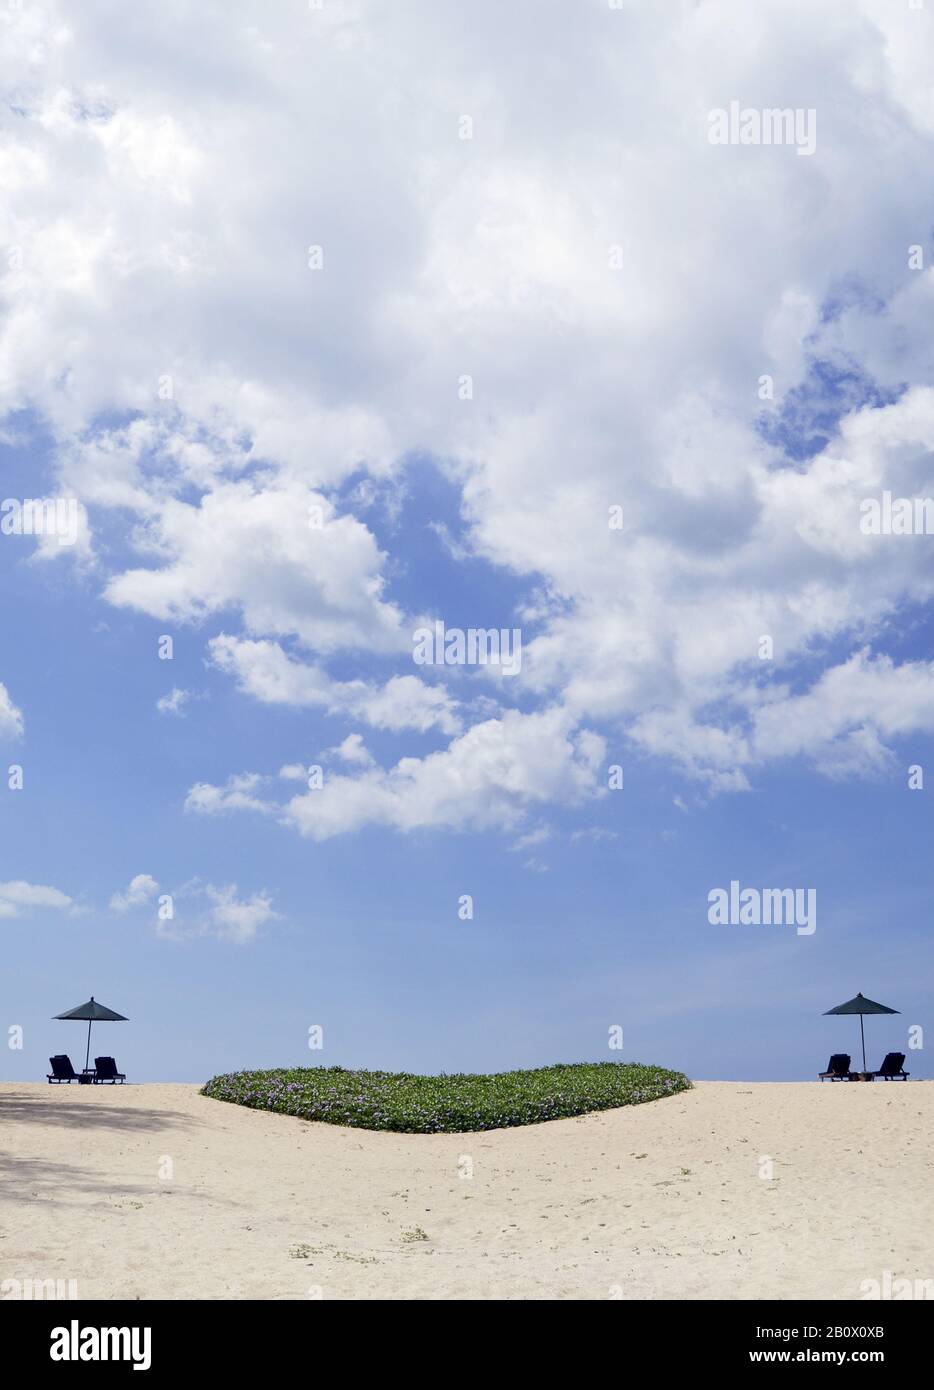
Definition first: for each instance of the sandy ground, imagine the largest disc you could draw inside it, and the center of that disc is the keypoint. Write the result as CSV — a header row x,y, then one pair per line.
x,y
663,1200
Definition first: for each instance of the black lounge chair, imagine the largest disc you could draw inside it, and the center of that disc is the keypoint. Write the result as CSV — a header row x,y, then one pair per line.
x,y
105,1069
892,1068
62,1070
838,1068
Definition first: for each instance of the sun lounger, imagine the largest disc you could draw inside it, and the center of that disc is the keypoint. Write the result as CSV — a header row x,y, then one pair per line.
x,y
105,1069
838,1068
892,1068
62,1070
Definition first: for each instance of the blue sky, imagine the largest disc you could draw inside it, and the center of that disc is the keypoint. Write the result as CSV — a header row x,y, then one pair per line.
x,y
174,366
368,942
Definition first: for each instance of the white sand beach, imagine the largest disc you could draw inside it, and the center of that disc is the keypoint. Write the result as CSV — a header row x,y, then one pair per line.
x,y
663,1200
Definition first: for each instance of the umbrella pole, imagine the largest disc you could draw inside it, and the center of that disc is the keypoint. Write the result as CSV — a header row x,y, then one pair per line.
x,y
88,1052
862,1037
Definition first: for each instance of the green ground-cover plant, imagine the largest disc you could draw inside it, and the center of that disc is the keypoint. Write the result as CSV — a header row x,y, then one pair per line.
x,y
446,1104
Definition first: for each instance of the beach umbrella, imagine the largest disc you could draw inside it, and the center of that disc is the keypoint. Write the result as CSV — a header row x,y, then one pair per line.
x,y
92,1012
861,1005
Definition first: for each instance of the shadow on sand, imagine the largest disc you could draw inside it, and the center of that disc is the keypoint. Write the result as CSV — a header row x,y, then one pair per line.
x,y
55,1110
33,1179
25,1178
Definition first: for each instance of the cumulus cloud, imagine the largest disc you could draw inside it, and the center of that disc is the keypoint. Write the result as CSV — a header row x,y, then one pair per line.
x,y
174,702
11,718
844,724
238,919
596,833
488,777
17,896
615,287
353,750
845,718
210,910
141,889
265,671
238,794
538,836
254,548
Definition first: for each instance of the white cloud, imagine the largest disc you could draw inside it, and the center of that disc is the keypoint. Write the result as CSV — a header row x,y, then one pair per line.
x,y
712,754
235,919
844,723
489,776
844,718
532,837
353,750
17,895
593,386
238,794
208,910
595,833
141,889
269,674
174,702
407,702
11,718
254,549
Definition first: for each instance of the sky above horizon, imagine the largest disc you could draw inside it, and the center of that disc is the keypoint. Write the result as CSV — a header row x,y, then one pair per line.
x,y
329,323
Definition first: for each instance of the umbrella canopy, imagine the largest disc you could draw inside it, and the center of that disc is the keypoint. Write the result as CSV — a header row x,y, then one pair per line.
x,y
92,1012
861,1005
